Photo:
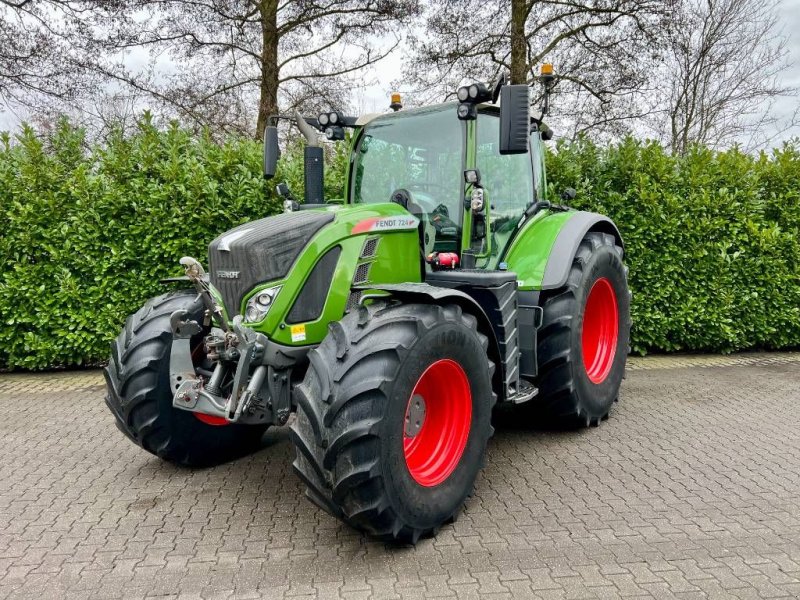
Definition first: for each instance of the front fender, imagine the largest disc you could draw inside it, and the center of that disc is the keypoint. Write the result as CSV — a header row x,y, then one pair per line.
x,y
431,294
566,245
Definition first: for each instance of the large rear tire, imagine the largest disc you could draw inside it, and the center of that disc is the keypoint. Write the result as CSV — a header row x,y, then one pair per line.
x,y
583,341
393,418
139,394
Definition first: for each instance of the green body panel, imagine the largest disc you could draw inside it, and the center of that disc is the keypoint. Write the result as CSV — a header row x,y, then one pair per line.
x,y
396,261
527,256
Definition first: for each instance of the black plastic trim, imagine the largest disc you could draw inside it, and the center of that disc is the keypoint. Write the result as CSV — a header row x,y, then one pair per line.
x,y
529,318
311,300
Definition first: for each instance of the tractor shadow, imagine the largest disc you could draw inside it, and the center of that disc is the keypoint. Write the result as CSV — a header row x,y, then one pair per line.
x,y
515,419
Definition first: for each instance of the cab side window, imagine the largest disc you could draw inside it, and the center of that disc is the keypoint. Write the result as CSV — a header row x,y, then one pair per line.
x,y
508,181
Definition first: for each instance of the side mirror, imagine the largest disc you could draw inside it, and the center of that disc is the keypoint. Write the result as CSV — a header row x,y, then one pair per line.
x,y
271,151
514,119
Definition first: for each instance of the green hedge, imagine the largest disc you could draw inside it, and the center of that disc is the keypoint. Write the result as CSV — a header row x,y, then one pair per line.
x,y
712,238
88,233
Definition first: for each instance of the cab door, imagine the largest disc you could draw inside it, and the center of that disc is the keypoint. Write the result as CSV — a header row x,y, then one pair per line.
x,y
509,181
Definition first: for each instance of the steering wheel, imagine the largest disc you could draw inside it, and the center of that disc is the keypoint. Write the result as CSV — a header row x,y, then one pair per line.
x,y
421,209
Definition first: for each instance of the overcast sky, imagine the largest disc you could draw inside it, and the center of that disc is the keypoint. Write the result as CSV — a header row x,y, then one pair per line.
x,y
375,98
790,19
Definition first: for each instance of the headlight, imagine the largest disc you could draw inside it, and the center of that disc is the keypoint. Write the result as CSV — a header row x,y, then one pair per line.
x,y
258,305
477,199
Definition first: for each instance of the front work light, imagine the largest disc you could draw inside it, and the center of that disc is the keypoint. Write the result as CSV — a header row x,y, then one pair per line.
x,y
323,119
472,176
334,133
478,92
467,111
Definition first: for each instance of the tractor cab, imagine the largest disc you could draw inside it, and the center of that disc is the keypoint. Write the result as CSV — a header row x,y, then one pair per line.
x,y
416,159
419,158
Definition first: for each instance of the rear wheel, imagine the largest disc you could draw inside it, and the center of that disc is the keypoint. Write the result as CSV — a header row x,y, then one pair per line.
x,y
393,418
583,341
139,394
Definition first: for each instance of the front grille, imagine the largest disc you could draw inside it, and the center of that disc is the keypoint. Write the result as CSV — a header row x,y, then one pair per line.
x,y
259,252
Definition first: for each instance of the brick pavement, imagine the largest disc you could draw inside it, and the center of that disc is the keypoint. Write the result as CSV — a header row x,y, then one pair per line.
x,y
690,490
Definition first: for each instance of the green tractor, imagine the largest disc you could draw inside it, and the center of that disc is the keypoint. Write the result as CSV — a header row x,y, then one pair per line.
x,y
391,321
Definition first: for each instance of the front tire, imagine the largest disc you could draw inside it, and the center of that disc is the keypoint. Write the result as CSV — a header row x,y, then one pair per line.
x,y
583,342
139,394
393,418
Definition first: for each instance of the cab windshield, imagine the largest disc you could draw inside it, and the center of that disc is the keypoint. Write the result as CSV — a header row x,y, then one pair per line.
x,y
420,151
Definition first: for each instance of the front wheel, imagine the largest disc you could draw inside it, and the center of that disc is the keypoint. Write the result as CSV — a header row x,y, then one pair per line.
x,y
393,418
583,341
139,394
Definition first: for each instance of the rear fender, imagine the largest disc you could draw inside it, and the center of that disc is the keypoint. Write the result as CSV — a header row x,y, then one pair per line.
x,y
541,253
566,245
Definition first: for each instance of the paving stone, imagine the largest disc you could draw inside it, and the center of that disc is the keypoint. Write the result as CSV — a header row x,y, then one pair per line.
x,y
690,490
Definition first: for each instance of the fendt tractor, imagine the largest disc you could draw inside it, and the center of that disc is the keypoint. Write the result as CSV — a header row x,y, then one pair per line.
x,y
390,322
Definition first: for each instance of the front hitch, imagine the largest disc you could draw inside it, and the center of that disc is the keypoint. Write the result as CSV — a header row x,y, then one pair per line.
x,y
251,381
190,390
193,393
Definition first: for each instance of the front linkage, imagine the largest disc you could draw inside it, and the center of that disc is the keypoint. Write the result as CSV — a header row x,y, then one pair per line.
x,y
236,349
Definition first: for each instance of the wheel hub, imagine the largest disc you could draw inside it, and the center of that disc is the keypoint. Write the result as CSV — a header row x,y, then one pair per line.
x,y
415,415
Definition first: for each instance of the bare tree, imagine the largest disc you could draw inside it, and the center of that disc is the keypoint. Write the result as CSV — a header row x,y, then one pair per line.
x,y
721,72
232,63
37,60
597,46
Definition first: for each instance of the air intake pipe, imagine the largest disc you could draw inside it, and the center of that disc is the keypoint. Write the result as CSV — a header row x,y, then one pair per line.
x,y
313,167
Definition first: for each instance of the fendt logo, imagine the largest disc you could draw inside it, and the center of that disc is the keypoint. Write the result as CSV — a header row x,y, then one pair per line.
x,y
228,274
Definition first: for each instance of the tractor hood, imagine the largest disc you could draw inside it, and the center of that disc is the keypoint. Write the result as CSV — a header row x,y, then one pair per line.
x,y
260,251
316,259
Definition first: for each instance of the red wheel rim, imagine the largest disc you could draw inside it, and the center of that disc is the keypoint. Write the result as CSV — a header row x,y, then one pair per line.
x,y
600,330
435,450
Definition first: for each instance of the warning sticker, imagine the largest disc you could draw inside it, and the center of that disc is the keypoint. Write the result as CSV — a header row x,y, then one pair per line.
x,y
298,333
